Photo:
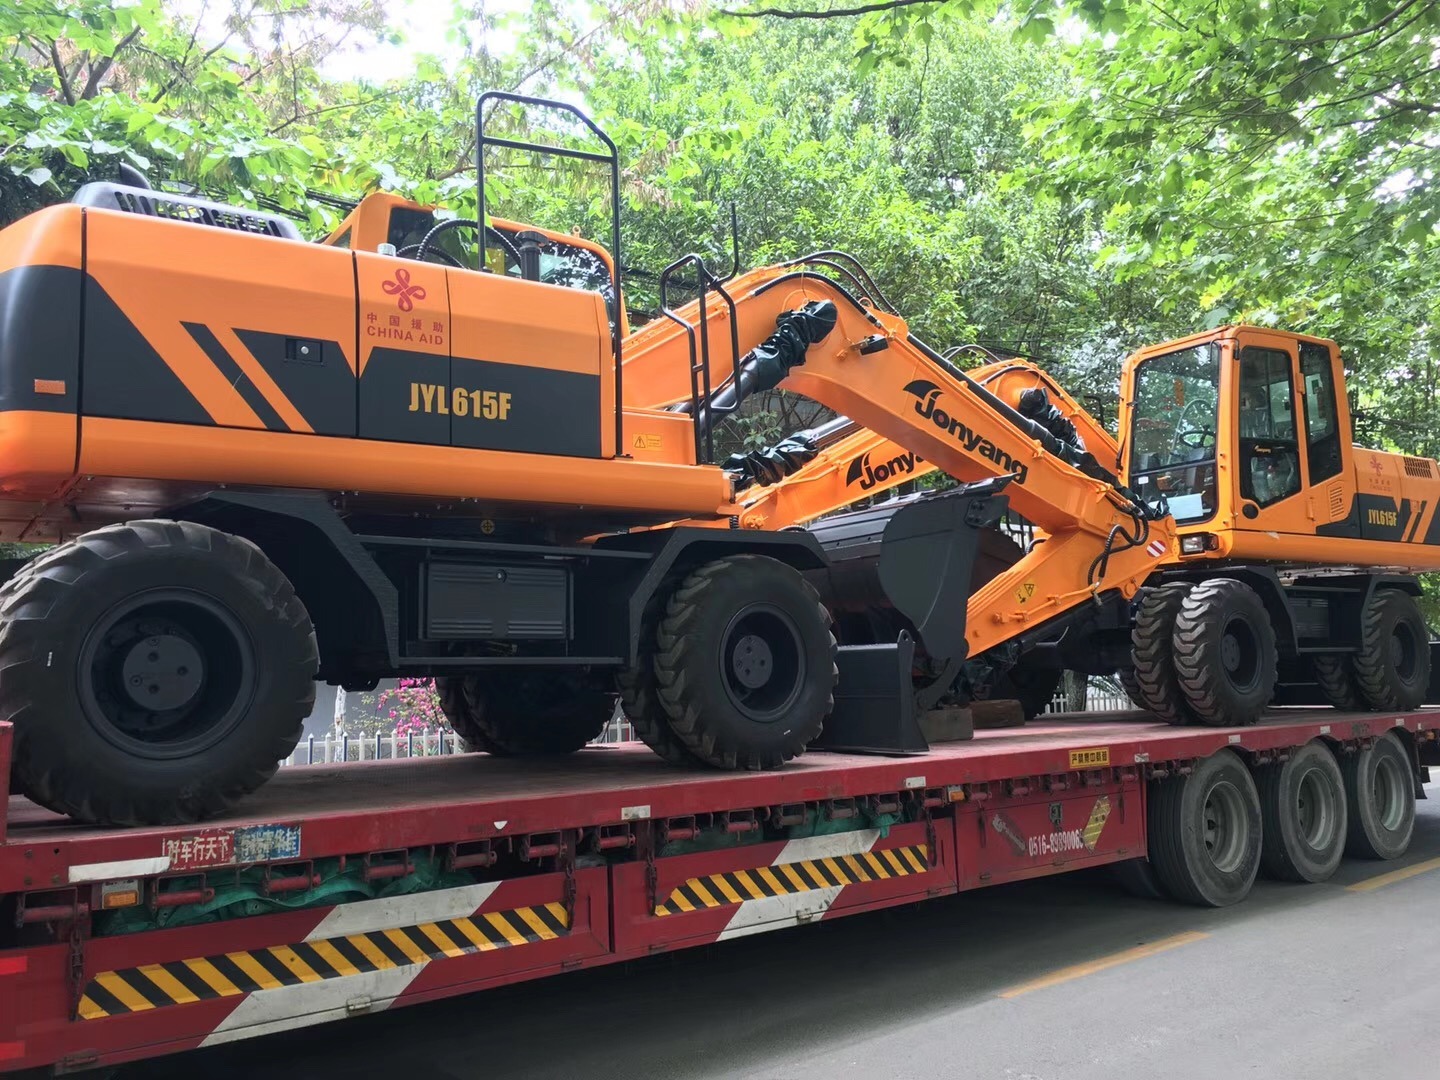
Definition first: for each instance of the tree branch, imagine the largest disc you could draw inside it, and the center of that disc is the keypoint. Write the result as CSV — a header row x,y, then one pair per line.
x,y
99,69
59,65
833,13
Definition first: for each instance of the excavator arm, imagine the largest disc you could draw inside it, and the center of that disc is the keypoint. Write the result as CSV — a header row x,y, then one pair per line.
x,y
817,472
813,336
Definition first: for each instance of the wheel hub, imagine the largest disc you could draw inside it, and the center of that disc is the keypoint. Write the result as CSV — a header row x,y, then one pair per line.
x,y
166,673
762,662
1224,827
752,661
1230,652
163,671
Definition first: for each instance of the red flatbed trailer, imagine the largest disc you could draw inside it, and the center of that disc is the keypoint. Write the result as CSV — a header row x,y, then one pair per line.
x,y
604,856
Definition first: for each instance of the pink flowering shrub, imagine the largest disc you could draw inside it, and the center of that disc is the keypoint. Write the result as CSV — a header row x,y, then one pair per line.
x,y
412,706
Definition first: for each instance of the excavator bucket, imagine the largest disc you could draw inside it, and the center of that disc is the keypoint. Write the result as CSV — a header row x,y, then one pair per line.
x,y
915,561
927,558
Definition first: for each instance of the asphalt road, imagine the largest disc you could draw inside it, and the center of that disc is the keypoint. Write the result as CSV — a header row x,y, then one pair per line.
x,y
1065,979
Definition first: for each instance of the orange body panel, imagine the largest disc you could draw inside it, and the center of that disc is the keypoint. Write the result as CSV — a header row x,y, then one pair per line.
x,y
1345,507
429,382
272,459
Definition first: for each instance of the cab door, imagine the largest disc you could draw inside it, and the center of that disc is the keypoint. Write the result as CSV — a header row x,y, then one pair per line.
x,y
1271,473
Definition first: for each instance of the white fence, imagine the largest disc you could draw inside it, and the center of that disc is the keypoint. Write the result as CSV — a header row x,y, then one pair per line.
x,y
338,748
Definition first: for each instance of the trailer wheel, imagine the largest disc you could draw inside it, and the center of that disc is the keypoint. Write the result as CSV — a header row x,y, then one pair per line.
x,y
155,672
1303,820
526,712
1392,666
1138,878
745,662
1205,830
1155,683
1380,799
1336,679
1225,658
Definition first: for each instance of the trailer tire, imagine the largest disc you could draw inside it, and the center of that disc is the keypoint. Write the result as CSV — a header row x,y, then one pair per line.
x,y
1204,832
1155,681
1138,878
1392,666
155,672
525,712
1225,656
1336,678
1303,818
745,662
1379,800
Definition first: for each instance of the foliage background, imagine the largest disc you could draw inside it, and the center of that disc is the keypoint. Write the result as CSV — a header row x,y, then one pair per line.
x,y
1066,180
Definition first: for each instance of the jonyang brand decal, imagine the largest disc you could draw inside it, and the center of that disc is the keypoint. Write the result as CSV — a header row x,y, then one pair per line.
x,y
869,474
927,405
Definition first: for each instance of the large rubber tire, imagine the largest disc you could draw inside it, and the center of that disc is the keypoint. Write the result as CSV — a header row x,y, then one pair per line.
x,y
1157,688
1302,812
1225,656
745,662
1379,800
1392,666
1335,675
1205,830
98,632
1138,878
647,716
526,712
1127,680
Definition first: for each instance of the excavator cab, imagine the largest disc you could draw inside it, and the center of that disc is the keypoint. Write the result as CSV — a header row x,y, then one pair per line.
x,y
558,259
1246,433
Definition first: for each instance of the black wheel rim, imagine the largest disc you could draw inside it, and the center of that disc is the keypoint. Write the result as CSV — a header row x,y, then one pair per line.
x,y
762,662
166,673
1225,830
1404,651
1240,654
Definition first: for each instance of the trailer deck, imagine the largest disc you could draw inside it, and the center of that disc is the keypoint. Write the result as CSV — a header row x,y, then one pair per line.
x,y
368,885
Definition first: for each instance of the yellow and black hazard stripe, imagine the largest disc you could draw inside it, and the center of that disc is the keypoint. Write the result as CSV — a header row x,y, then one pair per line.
x,y
737,886
180,982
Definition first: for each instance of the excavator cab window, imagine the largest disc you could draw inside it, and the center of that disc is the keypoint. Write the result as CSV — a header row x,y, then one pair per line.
x,y
1269,449
567,265
1174,421
1322,430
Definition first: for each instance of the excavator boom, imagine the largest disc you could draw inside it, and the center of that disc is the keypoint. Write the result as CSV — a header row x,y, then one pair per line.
x,y
866,365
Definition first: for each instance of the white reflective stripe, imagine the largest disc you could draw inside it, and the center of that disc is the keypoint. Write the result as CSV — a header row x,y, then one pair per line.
x,y
363,916
793,909
827,847
778,912
266,1011
123,868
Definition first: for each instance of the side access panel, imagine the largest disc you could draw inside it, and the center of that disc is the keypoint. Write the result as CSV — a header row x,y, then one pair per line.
x,y
161,991
1033,832
718,895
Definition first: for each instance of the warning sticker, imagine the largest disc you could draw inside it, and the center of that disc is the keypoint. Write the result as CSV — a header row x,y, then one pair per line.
x,y
1092,757
214,847
267,843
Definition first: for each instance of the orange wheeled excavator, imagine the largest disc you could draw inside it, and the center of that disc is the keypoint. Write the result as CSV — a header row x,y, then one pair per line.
x,y
263,462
